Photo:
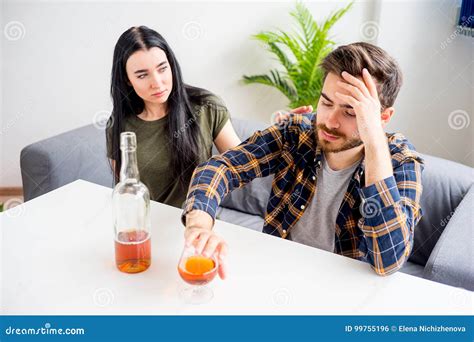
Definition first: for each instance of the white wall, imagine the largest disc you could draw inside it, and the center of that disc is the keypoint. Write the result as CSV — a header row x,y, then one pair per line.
x,y
56,77
438,76
1,100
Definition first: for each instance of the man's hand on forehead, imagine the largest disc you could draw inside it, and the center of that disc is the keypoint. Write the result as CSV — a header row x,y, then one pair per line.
x,y
363,98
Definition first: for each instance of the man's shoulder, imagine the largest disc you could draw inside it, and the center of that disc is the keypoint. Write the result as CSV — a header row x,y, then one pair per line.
x,y
401,149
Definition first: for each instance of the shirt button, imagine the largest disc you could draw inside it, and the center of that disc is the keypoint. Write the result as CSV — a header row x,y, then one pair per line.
x,y
284,231
314,177
302,207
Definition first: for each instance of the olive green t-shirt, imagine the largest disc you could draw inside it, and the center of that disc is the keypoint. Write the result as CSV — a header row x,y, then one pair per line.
x,y
153,150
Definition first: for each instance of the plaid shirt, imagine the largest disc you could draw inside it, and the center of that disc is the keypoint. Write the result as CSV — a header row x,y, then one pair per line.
x,y
375,223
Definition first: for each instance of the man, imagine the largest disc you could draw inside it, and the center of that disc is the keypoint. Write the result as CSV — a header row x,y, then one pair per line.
x,y
341,183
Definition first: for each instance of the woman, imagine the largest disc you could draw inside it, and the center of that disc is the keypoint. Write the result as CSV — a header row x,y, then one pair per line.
x,y
175,124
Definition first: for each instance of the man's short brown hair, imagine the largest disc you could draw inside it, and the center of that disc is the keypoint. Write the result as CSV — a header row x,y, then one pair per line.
x,y
356,56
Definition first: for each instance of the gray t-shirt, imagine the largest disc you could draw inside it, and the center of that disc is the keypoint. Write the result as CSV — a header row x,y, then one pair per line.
x,y
317,226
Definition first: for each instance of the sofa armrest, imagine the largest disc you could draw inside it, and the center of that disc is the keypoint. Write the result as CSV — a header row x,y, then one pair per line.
x,y
51,163
452,260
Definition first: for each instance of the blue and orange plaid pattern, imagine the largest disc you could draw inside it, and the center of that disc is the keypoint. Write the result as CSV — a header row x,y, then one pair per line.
x,y
374,224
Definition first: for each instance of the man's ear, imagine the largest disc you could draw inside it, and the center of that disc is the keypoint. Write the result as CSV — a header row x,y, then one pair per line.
x,y
386,115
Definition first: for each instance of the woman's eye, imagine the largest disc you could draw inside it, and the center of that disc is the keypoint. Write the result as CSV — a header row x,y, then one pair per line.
x,y
349,114
326,104
162,69
142,76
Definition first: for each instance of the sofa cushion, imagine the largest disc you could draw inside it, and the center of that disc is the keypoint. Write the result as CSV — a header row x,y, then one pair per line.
x,y
412,269
253,197
452,259
254,222
51,163
445,183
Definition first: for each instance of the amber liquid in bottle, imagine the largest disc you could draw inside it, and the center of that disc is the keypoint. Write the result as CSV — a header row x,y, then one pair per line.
x,y
133,251
198,270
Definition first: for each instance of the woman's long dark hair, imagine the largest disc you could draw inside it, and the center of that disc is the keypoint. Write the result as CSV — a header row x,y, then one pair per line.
x,y
182,124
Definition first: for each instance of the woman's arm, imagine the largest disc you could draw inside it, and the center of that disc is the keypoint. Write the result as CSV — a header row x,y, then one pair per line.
x,y
227,138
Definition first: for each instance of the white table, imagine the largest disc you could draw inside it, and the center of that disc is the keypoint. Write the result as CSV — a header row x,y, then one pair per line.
x,y
58,258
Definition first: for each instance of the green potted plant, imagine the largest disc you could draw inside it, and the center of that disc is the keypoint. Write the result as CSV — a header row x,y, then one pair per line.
x,y
299,54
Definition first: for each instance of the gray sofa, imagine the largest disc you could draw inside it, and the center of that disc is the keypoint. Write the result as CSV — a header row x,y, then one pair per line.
x,y
444,239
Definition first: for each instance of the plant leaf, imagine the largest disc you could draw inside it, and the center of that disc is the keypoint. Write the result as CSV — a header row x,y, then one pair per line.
x,y
274,80
300,54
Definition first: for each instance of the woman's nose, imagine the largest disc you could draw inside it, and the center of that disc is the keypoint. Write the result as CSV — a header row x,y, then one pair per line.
x,y
155,80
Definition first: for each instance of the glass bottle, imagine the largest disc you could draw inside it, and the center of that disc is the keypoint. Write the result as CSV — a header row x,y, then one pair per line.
x,y
131,212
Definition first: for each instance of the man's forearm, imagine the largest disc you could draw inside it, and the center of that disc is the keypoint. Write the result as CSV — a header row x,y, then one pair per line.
x,y
199,219
378,164
214,179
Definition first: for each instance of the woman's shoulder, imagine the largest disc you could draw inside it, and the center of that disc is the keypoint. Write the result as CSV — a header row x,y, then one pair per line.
x,y
210,109
200,98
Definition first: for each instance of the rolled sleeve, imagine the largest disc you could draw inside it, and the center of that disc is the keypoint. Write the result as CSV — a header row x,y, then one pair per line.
x,y
379,195
390,210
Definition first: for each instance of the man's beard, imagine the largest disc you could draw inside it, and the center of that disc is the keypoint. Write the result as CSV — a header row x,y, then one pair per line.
x,y
329,146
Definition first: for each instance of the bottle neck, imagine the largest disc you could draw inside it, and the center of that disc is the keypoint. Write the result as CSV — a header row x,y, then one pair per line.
x,y
129,169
